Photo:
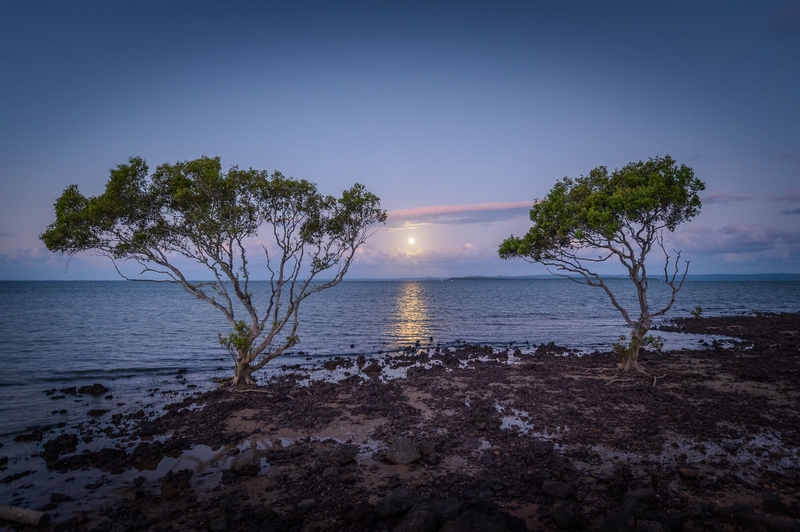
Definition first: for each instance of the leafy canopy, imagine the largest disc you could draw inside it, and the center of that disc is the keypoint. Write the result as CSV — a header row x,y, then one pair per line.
x,y
195,209
607,209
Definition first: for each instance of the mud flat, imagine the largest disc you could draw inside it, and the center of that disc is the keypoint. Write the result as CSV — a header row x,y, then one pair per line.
x,y
463,438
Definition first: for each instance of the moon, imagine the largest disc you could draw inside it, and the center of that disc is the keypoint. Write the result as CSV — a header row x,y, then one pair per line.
x,y
411,240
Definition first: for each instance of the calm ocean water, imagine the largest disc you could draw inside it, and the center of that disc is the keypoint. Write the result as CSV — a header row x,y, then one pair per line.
x,y
134,337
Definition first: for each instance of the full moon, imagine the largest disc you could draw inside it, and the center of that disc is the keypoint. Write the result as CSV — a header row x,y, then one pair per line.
x,y
411,240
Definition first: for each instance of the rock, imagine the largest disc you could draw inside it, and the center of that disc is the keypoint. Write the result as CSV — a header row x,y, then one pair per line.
x,y
476,521
621,520
34,435
556,488
403,451
62,444
772,503
342,454
96,412
396,502
542,449
107,459
95,389
417,521
426,448
415,371
247,462
175,485
94,485
148,451
649,526
636,501
372,370
755,521
218,524
304,506
567,515
687,473
359,513
59,497
331,471
442,511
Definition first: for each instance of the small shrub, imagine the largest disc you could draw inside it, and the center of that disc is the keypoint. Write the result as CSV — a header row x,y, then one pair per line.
x,y
625,345
696,312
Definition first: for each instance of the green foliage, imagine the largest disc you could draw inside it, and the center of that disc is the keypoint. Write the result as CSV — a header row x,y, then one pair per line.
x,y
292,340
239,343
597,209
696,312
627,346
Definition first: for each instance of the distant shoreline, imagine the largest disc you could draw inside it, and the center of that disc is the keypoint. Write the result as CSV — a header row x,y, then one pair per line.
x,y
715,277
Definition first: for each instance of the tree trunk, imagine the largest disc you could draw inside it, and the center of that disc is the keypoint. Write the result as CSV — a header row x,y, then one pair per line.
x,y
630,361
242,375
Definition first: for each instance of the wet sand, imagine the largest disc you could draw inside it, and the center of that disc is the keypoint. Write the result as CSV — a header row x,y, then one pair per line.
x,y
465,438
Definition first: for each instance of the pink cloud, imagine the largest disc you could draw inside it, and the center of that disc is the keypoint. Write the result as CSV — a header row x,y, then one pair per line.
x,y
790,196
784,22
459,214
789,157
441,256
726,198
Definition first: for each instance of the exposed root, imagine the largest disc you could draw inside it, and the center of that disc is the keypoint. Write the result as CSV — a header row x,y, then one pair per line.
x,y
252,390
618,380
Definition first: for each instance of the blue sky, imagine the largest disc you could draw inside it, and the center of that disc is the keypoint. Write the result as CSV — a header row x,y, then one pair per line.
x,y
457,114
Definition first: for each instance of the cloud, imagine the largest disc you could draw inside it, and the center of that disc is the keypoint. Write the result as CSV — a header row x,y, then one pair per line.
x,y
727,198
791,196
788,156
784,21
445,255
28,255
458,214
791,211
738,239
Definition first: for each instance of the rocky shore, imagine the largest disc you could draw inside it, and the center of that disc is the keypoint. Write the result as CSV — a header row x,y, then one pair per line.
x,y
460,439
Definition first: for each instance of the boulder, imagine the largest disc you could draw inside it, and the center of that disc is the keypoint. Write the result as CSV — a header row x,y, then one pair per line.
x,y
175,485
556,488
342,454
403,451
417,521
477,521
398,501
247,462
442,511
567,515
94,389
62,444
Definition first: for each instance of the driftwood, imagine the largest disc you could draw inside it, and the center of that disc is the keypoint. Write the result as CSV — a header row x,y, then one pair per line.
x,y
23,515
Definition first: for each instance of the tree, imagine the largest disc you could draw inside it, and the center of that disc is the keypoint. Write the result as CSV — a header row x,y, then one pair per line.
x,y
620,215
194,210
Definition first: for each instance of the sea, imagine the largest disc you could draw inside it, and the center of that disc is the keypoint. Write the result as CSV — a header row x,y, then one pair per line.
x,y
152,340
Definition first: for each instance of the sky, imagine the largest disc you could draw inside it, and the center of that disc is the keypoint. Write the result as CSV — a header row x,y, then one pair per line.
x,y
458,115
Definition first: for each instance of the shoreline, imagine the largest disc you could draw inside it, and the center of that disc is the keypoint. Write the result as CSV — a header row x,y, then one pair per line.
x,y
576,445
